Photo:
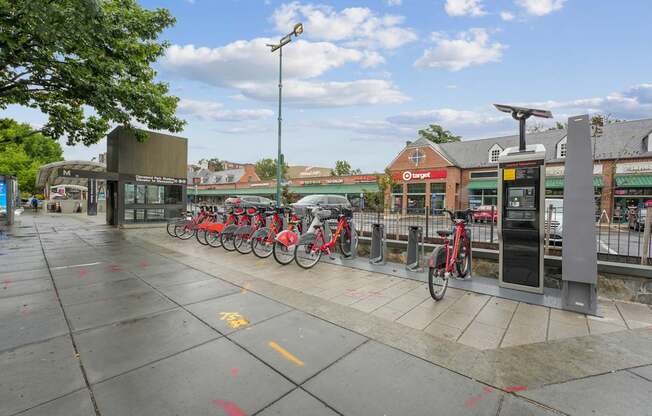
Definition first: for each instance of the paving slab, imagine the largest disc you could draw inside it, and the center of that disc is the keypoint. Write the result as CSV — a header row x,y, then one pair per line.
x,y
302,345
298,403
38,373
9,287
645,372
161,268
515,406
482,336
178,277
83,278
217,378
25,275
114,349
252,307
28,323
187,293
637,315
99,291
619,393
75,404
106,311
378,380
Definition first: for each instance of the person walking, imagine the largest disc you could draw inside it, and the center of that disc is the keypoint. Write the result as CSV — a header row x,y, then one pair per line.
x,y
34,203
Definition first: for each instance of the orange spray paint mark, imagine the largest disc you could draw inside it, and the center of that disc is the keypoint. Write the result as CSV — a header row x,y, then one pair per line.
x,y
235,372
6,283
512,389
82,272
143,264
230,408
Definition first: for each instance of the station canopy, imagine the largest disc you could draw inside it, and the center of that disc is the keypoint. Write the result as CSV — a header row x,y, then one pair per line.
x,y
49,175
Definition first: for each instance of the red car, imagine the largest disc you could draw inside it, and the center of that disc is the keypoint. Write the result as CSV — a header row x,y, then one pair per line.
x,y
483,213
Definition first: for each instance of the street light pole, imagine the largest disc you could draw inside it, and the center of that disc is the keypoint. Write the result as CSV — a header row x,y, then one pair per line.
x,y
296,31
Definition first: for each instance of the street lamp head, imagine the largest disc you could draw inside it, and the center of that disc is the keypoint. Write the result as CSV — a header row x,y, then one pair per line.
x,y
298,29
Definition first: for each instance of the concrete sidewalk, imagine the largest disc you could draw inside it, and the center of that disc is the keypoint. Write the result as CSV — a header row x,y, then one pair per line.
x,y
106,322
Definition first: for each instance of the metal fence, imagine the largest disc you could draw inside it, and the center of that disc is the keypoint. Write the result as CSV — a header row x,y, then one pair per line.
x,y
619,239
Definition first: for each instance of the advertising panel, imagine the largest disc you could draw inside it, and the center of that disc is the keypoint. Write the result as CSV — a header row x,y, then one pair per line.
x,y
3,197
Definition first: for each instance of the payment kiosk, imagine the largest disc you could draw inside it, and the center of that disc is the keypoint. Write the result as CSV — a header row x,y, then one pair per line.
x,y
521,201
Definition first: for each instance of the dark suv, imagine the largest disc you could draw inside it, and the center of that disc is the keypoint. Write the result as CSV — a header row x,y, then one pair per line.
x,y
333,202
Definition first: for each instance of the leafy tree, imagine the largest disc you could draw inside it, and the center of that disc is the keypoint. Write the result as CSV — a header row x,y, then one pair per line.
x,y
436,134
342,168
287,196
67,56
22,152
214,164
266,169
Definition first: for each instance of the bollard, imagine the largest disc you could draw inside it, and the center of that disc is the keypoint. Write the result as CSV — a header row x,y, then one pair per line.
x,y
415,249
378,244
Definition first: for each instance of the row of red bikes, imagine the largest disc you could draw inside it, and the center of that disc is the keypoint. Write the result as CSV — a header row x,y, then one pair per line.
x,y
267,231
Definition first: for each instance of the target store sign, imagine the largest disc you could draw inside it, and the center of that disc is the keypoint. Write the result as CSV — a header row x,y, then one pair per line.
x,y
420,175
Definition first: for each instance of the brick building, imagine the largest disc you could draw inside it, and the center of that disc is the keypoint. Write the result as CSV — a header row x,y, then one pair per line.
x,y
457,175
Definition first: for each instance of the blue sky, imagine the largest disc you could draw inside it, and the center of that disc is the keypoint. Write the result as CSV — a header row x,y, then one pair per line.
x,y
365,76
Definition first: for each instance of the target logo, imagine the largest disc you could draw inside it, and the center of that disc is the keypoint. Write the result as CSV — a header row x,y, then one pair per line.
x,y
407,175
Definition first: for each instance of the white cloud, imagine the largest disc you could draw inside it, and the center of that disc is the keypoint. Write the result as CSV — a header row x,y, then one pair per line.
x,y
447,117
247,60
213,111
633,103
464,8
328,94
394,2
541,7
507,16
467,49
357,26
365,128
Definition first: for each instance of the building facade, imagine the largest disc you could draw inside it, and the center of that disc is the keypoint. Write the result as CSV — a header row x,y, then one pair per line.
x,y
458,175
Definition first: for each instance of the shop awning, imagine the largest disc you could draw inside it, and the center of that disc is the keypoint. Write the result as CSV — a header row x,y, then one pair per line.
x,y
356,188
634,181
485,184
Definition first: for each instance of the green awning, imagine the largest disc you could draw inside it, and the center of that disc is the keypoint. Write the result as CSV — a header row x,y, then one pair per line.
x,y
558,182
634,181
484,184
354,188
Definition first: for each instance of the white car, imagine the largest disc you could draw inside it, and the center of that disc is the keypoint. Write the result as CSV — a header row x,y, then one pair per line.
x,y
556,220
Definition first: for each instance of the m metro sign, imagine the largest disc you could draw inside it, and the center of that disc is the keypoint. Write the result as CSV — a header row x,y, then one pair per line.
x,y
419,175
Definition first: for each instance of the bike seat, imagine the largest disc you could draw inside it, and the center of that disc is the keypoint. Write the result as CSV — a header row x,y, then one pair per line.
x,y
444,233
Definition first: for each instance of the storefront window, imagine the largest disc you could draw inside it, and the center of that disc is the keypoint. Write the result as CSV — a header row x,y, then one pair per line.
x,y
396,203
130,194
479,197
416,198
437,198
155,194
172,194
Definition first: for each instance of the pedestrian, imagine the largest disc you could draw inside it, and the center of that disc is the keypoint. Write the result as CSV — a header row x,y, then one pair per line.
x,y
34,203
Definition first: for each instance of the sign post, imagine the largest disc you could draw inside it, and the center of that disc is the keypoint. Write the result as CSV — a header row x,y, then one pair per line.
x,y
91,197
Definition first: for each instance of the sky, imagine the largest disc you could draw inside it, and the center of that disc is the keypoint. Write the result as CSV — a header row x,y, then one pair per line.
x,y
365,76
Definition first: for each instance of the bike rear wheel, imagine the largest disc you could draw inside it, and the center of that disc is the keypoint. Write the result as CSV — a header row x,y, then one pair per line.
x,y
283,254
213,238
348,242
437,279
305,255
463,264
170,229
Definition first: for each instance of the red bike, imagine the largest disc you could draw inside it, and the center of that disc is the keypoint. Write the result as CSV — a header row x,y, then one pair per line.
x,y
262,240
228,235
186,229
211,218
213,231
319,240
454,255
242,240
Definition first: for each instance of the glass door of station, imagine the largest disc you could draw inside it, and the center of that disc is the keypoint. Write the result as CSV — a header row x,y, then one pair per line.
x,y
437,198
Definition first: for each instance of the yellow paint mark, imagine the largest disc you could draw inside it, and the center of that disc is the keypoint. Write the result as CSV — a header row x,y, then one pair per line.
x,y
234,319
509,174
246,287
286,354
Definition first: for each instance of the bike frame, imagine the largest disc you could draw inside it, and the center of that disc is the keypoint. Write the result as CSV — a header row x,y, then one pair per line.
x,y
452,255
326,246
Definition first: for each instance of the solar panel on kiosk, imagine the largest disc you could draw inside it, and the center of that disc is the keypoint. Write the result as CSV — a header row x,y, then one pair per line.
x,y
523,110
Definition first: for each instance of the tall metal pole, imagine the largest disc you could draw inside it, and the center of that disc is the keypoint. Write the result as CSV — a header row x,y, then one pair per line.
x,y
278,157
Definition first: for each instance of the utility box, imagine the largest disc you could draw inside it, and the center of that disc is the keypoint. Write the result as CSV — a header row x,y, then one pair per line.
x,y
521,204
8,196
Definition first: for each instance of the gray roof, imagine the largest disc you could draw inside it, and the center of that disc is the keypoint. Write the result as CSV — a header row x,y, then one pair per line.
x,y
622,140
223,176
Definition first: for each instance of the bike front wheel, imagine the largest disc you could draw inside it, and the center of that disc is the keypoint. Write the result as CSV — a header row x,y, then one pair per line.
x,y
213,238
463,264
283,254
183,232
243,243
200,235
170,229
348,242
306,255
262,247
228,241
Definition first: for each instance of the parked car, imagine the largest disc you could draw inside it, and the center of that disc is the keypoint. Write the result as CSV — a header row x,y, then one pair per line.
x,y
556,220
249,200
332,202
483,213
637,221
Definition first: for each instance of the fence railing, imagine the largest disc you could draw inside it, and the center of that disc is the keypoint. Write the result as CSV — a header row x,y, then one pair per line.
x,y
618,239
